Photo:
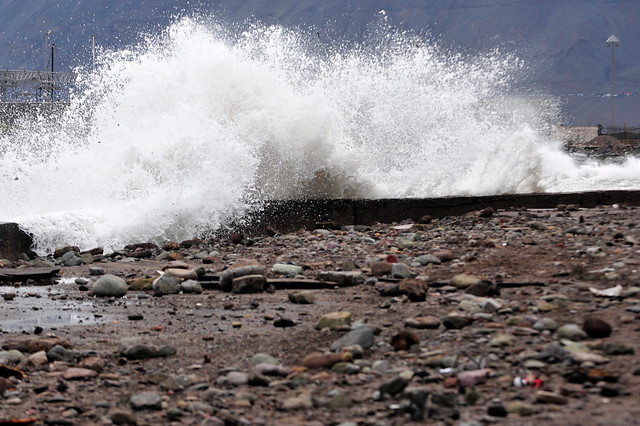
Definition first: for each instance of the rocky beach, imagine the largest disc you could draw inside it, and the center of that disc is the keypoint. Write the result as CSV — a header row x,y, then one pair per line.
x,y
498,316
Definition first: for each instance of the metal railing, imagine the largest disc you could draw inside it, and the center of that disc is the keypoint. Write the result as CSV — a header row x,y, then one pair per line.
x,y
623,133
33,86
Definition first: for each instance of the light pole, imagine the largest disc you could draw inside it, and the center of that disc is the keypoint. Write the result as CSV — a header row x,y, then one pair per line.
x,y
613,42
46,48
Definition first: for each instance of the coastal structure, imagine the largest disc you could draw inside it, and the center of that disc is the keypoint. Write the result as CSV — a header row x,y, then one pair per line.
x,y
23,91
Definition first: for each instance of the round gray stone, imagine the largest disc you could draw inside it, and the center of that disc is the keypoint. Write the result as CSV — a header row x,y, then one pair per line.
x,y
110,286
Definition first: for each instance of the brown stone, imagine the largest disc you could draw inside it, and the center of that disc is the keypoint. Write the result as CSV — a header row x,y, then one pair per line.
x,y
404,340
596,328
324,360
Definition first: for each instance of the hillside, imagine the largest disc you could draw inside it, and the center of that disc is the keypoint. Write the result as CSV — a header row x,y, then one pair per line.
x,y
564,42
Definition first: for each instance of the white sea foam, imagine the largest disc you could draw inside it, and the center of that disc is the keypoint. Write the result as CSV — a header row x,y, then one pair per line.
x,y
173,137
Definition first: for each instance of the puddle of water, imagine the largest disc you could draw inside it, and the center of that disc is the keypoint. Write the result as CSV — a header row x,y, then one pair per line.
x,y
35,306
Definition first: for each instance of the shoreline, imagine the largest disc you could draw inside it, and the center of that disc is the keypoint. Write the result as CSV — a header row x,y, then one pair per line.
x,y
450,311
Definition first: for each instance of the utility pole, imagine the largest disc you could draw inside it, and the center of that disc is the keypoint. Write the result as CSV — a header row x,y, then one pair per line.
x,y
46,48
613,42
93,53
52,71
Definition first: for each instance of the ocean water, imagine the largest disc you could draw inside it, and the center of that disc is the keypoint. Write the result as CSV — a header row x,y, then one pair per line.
x,y
182,133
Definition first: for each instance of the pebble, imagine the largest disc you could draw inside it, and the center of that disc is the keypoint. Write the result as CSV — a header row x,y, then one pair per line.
x,y
596,328
473,377
135,348
547,397
167,284
428,259
456,322
146,401
400,270
305,297
324,360
248,284
462,281
571,332
227,276
237,378
426,322
404,340
71,258
286,269
545,324
77,373
191,286
334,321
110,286
363,337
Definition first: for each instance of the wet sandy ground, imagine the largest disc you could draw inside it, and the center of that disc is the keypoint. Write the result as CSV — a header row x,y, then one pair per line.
x,y
543,261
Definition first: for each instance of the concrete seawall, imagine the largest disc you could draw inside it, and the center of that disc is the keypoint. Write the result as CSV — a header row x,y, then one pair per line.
x,y
287,216
295,214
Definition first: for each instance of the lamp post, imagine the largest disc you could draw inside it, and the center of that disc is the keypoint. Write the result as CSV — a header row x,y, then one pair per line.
x,y
613,42
46,48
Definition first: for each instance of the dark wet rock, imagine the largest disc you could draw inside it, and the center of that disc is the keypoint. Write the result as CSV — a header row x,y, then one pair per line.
x,y
393,386
284,322
59,353
248,284
71,258
456,322
483,288
123,418
497,409
425,403
363,337
63,250
554,353
110,286
388,289
227,276
614,349
596,328
547,397
146,401
486,212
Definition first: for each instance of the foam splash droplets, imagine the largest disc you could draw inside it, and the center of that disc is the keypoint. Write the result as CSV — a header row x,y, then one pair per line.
x,y
177,136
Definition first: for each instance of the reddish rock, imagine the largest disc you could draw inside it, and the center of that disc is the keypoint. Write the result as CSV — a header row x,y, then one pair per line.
x,y
404,340
325,360
416,290
470,378
77,373
381,268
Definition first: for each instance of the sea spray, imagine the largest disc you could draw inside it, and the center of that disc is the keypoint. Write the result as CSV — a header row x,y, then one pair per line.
x,y
180,135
